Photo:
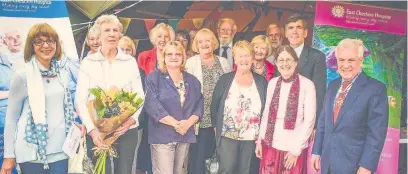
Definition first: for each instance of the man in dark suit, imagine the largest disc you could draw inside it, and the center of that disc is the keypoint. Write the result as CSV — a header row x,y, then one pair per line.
x,y
312,62
353,123
226,30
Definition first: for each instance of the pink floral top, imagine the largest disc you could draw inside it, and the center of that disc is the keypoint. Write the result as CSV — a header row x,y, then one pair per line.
x,y
242,113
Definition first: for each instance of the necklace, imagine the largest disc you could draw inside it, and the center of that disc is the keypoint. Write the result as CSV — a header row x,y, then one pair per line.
x,y
258,67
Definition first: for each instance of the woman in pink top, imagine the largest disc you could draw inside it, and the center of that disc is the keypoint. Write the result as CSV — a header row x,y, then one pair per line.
x,y
288,118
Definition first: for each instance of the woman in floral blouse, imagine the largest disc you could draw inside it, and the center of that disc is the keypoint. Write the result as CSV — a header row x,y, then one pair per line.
x,y
207,68
236,109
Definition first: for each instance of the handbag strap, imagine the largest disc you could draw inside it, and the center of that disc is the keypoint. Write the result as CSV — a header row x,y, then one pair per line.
x,y
84,145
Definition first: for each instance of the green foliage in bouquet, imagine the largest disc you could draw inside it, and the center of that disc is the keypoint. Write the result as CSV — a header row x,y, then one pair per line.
x,y
113,107
113,102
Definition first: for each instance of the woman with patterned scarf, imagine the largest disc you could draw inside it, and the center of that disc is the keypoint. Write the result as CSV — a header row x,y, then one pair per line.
x,y
40,110
288,118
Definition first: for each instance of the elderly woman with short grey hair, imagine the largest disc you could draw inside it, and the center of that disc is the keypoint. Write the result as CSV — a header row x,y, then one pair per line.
x,y
92,40
110,67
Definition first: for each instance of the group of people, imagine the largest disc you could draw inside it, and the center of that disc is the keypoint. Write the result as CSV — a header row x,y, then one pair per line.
x,y
255,105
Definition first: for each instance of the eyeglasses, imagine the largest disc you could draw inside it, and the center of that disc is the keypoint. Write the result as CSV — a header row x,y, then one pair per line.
x,y
40,42
171,54
281,61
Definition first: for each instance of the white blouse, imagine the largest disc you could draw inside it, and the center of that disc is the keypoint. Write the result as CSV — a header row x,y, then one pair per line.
x,y
294,140
242,113
96,71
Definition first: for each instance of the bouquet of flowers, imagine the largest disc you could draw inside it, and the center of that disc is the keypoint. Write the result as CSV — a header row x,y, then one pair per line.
x,y
109,110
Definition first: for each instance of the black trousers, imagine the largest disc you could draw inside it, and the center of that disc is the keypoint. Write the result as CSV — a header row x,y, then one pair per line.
x,y
125,147
144,157
255,164
200,151
235,156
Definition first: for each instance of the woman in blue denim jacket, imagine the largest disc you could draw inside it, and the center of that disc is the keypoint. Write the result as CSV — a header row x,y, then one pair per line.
x,y
40,111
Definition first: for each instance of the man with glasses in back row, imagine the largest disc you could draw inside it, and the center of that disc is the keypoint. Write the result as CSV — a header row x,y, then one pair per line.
x,y
226,30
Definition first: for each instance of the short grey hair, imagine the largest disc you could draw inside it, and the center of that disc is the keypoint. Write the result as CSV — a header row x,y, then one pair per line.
x,y
348,43
275,25
108,19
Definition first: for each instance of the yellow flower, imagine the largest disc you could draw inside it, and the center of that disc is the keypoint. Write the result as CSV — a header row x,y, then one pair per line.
x,y
125,106
107,97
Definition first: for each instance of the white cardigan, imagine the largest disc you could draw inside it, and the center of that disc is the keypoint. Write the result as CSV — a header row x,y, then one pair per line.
x,y
193,66
96,71
294,140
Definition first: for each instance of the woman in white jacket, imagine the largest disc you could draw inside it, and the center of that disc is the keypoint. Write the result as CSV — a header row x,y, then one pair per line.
x,y
207,68
106,68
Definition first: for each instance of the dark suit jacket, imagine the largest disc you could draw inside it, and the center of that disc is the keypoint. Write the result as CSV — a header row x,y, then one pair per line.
x,y
312,65
357,137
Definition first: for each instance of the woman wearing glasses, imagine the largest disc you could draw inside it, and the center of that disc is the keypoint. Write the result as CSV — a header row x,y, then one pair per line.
x,y
40,108
174,103
290,111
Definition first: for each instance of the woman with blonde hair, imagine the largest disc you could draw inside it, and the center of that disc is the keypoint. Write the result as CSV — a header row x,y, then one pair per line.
x,y
207,68
110,67
174,103
40,111
236,108
159,36
127,45
263,49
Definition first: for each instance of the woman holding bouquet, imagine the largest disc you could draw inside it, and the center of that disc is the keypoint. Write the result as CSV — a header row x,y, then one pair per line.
x,y
106,69
174,103
288,118
40,108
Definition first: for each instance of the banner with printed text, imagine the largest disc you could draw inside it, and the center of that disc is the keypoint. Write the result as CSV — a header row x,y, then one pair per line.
x,y
383,32
17,17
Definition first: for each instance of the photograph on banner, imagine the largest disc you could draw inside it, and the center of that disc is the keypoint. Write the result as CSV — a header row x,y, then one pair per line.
x,y
14,32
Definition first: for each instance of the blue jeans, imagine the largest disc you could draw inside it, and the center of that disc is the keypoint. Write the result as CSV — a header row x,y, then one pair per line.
x,y
59,167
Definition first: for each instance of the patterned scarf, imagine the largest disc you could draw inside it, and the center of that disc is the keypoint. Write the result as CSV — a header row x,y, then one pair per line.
x,y
291,107
36,131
